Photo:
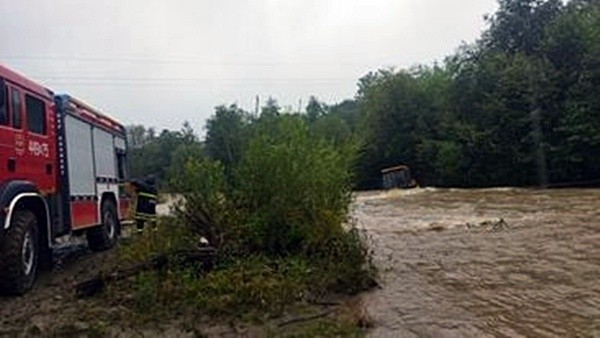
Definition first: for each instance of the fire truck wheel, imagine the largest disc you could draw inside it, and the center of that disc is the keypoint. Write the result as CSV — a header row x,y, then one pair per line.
x,y
19,254
105,236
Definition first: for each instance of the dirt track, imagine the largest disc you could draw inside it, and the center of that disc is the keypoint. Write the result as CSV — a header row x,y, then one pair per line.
x,y
51,306
454,270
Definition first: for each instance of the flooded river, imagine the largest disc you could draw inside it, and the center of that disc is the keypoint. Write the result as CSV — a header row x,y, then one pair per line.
x,y
493,262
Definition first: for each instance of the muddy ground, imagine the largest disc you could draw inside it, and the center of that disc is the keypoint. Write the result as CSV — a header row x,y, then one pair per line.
x,y
450,268
51,305
454,269
52,308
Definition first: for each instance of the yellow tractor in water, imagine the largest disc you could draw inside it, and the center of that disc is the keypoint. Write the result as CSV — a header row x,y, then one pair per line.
x,y
397,177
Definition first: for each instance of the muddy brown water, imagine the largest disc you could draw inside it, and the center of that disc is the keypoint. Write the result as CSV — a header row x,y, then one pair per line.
x,y
451,268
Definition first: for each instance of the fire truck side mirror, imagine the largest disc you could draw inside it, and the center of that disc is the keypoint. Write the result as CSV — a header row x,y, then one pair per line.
x,y
2,93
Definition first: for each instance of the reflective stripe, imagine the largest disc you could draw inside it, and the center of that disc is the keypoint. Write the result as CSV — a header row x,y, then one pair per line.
x,y
144,216
147,195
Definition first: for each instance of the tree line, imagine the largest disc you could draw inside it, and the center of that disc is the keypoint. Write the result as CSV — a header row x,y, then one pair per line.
x,y
519,107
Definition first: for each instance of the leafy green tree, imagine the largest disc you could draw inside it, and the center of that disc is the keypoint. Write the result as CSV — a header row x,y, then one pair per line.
x,y
154,155
332,129
227,135
136,136
315,109
187,133
183,154
349,112
579,126
391,104
519,25
270,109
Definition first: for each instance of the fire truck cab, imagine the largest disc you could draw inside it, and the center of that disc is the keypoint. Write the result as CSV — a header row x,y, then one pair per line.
x,y
62,169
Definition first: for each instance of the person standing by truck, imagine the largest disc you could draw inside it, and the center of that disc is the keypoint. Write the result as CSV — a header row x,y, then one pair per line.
x,y
145,206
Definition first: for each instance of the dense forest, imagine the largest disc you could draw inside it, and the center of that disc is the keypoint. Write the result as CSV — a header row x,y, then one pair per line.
x,y
519,107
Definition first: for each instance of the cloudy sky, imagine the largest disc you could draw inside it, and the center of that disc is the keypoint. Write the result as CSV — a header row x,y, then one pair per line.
x,y
160,62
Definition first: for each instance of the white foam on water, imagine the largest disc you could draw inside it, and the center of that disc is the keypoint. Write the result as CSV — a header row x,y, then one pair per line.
x,y
391,194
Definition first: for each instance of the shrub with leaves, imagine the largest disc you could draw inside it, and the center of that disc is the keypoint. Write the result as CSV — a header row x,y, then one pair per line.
x,y
289,196
279,219
296,189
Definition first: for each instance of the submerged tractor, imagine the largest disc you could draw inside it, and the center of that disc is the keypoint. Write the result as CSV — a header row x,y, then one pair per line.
x,y
62,169
397,177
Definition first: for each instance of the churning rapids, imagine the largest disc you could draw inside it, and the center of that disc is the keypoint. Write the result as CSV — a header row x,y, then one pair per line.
x,y
489,262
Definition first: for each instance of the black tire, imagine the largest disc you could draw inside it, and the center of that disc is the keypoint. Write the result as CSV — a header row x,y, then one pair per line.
x,y
106,235
19,254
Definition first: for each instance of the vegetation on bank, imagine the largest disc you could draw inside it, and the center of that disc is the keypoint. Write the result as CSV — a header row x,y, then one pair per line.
x,y
279,219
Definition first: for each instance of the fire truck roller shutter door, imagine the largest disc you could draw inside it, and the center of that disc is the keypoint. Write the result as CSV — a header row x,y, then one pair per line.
x,y
106,167
104,153
80,157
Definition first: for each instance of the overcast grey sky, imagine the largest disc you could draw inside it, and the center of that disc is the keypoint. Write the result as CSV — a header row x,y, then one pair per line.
x,y
160,62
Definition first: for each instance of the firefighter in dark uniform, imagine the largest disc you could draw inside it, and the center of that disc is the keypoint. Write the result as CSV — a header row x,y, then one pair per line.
x,y
145,210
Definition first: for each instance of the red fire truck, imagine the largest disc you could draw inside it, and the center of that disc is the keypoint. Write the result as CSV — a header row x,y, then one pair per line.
x,y
62,169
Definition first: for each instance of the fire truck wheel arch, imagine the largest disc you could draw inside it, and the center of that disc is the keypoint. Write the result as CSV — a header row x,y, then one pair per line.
x,y
23,194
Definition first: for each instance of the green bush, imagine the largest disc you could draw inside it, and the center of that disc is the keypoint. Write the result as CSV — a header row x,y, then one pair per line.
x,y
206,207
289,196
279,220
296,189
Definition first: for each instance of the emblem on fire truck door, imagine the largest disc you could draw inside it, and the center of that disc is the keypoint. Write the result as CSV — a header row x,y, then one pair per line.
x,y
19,144
39,149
